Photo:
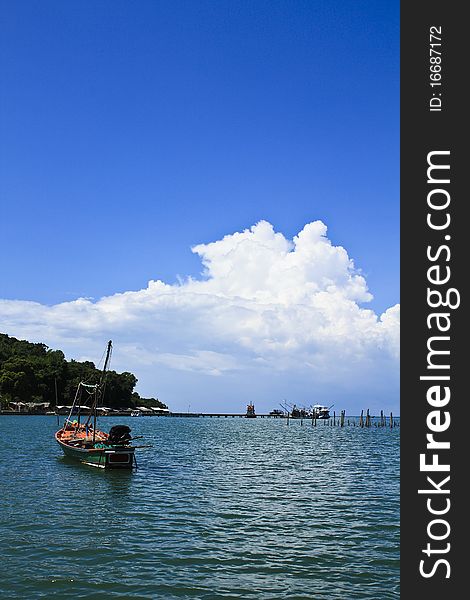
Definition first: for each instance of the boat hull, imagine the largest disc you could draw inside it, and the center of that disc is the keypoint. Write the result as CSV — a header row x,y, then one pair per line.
x,y
112,457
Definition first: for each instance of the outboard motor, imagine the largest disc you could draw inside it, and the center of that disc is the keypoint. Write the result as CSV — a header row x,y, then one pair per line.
x,y
119,434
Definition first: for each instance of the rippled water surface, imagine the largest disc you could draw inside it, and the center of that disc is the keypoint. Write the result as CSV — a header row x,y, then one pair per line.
x,y
219,508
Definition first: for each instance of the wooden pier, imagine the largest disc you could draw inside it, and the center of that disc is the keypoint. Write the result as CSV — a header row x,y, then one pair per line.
x,y
364,421
224,415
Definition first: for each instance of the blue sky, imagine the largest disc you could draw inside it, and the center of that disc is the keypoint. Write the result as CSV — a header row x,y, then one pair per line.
x,y
132,131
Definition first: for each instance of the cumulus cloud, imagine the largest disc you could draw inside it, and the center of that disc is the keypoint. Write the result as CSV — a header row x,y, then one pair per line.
x,y
268,314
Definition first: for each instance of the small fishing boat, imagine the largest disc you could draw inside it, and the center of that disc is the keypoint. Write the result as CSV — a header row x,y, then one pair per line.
x,y
250,411
136,413
83,441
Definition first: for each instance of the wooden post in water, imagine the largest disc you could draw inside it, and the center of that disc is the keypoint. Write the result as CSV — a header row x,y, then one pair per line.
x,y
342,418
367,419
391,420
334,417
361,420
288,417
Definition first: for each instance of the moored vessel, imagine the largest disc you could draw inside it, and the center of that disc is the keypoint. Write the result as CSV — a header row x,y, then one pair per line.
x,y
250,411
320,412
80,438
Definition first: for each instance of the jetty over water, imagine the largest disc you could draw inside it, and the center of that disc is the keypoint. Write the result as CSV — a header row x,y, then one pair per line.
x,y
223,415
365,419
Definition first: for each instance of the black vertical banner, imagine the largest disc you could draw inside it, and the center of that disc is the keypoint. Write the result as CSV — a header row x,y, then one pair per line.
x,y
435,353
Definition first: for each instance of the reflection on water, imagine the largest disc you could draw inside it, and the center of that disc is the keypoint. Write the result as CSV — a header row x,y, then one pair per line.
x,y
89,477
218,508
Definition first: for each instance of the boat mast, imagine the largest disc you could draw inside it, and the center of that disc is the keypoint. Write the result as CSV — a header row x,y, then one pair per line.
x,y
100,385
106,361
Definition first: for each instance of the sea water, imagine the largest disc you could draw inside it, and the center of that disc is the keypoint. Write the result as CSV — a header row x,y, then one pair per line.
x,y
218,508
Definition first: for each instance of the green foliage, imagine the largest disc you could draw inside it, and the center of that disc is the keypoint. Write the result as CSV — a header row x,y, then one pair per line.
x,y
147,402
32,373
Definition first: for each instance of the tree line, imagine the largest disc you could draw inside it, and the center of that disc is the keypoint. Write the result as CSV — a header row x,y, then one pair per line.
x,y
34,373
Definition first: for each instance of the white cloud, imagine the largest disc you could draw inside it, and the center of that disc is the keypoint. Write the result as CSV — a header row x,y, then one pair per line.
x,y
268,316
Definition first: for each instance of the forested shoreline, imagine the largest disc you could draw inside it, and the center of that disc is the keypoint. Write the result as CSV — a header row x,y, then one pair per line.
x,y
32,372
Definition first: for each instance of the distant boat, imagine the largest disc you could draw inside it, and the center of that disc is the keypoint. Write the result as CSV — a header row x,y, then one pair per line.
x,y
83,441
250,411
320,412
136,413
299,413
